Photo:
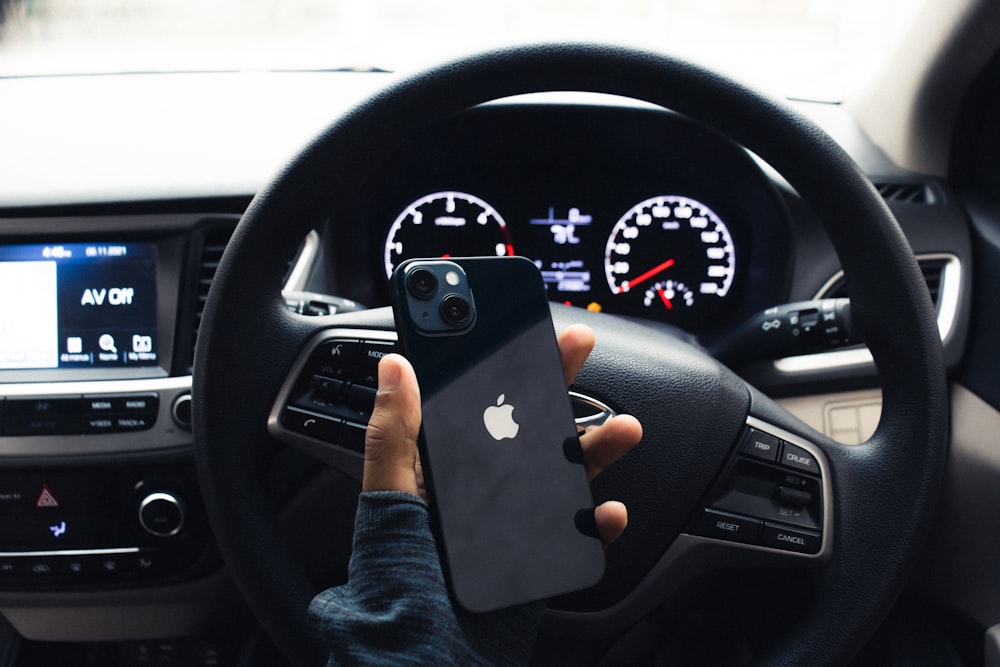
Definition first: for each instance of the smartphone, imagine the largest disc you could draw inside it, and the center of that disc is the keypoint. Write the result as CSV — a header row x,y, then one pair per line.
x,y
498,447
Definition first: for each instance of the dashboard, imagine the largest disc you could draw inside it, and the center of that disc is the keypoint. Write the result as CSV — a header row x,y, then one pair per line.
x,y
638,213
624,209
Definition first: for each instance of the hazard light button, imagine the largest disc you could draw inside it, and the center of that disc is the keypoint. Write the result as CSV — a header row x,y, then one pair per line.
x,y
46,498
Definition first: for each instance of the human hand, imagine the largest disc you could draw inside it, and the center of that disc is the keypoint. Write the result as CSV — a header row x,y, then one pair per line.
x,y
393,464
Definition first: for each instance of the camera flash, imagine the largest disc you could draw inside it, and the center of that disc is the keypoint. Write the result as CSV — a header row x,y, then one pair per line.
x,y
451,278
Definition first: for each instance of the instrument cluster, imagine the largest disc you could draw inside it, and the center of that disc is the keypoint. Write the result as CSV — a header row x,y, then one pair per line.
x,y
669,257
624,210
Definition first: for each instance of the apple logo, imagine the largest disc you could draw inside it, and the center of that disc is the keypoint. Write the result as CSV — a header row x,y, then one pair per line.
x,y
499,420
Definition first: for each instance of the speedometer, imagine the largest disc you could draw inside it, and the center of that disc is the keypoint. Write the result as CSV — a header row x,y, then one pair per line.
x,y
446,224
671,254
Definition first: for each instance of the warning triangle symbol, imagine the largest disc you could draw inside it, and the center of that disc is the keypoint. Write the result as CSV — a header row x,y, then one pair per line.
x,y
46,499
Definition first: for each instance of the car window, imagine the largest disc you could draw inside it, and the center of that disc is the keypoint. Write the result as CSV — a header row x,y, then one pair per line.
x,y
811,49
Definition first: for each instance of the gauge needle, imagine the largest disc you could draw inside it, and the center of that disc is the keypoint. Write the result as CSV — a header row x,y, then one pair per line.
x,y
629,284
664,299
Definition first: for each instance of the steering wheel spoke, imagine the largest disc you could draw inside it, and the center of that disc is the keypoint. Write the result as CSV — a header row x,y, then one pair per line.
x,y
324,405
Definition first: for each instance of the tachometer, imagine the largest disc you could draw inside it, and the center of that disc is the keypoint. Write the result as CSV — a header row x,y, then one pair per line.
x,y
446,224
672,254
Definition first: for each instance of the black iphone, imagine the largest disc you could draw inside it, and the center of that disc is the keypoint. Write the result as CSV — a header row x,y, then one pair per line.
x,y
499,448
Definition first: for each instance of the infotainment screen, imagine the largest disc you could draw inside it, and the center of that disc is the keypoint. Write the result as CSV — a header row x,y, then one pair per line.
x,y
78,306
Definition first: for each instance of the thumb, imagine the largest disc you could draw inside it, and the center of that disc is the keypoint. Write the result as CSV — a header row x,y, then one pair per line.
x,y
391,460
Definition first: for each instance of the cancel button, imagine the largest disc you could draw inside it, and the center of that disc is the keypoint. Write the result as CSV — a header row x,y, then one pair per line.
x,y
781,537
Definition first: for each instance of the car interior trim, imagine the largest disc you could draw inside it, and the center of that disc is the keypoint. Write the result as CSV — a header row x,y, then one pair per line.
x,y
164,434
947,314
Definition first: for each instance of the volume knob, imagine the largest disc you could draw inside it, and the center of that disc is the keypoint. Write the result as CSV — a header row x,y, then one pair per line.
x,y
161,514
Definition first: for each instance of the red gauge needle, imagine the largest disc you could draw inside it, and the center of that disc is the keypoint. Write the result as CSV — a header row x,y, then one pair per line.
x,y
629,284
664,299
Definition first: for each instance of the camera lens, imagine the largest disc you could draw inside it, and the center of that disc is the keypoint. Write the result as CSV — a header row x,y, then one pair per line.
x,y
422,283
455,310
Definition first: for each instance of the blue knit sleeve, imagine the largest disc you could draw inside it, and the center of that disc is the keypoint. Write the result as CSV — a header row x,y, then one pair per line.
x,y
394,608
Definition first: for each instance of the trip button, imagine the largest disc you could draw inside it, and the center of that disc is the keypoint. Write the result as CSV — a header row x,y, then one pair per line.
x,y
761,445
798,458
725,526
789,539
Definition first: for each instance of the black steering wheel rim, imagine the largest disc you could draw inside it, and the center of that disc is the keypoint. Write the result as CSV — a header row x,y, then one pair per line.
x,y
248,341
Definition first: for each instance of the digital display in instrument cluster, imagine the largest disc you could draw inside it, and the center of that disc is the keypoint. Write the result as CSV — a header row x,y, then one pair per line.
x,y
669,257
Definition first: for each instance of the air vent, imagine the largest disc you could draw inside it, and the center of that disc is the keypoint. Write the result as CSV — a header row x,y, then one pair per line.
x,y
931,267
213,244
909,193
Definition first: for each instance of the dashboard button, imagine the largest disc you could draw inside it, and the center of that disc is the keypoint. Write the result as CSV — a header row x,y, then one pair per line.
x,y
56,424
125,423
725,526
181,411
790,539
43,407
761,445
798,458
98,424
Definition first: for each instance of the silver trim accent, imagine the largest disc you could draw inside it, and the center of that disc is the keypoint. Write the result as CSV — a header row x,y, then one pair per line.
x,y
299,275
70,552
604,411
165,434
950,291
168,497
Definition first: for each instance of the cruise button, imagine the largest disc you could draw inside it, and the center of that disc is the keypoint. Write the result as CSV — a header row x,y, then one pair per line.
x,y
798,458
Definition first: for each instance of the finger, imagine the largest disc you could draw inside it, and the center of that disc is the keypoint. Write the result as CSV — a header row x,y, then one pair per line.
x,y
575,345
391,439
611,519
607,443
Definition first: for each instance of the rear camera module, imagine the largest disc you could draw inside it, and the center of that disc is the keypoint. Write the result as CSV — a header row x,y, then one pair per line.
x,y
455,310
422,283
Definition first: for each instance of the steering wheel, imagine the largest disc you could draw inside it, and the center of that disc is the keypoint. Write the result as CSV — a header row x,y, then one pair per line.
x,y
867,507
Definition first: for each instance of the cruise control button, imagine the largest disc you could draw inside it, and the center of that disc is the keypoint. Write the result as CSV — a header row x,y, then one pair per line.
x,y
761,445
796,497
790,539
725,526
798,458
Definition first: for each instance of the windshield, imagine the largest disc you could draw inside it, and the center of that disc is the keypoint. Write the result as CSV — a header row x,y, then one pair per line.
x,y
809,49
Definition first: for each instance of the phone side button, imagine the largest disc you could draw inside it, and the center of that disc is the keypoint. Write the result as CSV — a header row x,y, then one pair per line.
x,y
312,424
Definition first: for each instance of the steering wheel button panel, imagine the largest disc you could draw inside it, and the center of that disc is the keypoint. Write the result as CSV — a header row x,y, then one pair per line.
x,y
757,489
